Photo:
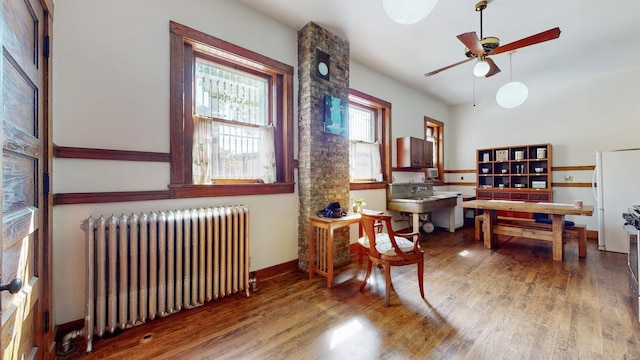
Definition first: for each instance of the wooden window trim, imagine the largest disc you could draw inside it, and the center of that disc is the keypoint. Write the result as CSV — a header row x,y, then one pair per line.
x,y
439,155
185,42
383,133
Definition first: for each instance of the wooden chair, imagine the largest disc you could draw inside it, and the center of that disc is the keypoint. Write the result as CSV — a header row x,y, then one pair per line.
x,y
390,249
377,225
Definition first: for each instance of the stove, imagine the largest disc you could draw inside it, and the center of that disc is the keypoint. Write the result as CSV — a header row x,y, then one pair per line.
x,y
632,217
632,226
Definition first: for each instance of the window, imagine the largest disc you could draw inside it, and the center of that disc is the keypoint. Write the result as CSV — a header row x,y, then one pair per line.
x,y
369,134
231,115
232,136
364,149
434,132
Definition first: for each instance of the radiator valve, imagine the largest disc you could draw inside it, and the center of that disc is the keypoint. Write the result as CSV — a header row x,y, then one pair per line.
x,y
66,346
253,280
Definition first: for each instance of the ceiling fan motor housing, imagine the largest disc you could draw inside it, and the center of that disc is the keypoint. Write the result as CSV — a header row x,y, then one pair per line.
x,y
488,44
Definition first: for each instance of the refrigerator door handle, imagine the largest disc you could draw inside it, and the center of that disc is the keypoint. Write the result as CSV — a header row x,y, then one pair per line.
x,y
593,184
597,187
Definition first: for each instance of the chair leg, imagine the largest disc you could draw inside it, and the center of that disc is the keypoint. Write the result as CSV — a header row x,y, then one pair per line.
x,y
387,280
366,277
421,278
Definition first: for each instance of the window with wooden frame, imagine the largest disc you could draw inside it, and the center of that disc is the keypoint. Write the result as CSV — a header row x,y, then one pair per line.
x,y
369,138
434,132
231,117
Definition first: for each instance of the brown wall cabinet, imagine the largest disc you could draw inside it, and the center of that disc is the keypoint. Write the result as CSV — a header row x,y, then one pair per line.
x,y
519,173
414,153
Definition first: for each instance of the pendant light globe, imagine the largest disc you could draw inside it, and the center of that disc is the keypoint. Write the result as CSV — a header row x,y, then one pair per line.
x,y
407,12
481,68
512,94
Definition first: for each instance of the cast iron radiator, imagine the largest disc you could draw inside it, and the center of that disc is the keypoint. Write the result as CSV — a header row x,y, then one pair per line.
x,y
140,267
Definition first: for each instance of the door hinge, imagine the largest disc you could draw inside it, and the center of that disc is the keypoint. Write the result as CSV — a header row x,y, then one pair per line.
x,y
45,46
45,321
45,184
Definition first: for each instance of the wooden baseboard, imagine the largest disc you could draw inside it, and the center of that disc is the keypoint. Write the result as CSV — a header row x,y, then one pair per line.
x,y
262,274
354,248
277,270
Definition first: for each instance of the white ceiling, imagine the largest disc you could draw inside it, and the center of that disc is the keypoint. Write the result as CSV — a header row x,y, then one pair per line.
x,y
597,37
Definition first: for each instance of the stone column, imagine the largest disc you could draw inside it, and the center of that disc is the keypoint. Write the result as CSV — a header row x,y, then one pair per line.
x,y
323,157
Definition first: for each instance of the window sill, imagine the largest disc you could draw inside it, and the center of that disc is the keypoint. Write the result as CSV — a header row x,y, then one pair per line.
x,y
179,191
368,185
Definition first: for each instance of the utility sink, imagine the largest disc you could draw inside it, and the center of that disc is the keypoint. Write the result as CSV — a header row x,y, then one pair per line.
x,y
419,198
421,204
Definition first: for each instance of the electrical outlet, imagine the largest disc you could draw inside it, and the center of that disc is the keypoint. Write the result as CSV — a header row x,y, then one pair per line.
x,y
568,178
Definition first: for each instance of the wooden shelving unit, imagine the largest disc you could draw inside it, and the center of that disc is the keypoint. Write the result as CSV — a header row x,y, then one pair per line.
x,y
514,173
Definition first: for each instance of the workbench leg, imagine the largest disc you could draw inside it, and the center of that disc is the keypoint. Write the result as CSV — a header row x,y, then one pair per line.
x,y
582,242
489,219
557,226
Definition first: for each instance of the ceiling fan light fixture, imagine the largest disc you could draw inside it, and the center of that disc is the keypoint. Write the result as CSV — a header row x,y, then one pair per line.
x,y
512,94
407,12
481,68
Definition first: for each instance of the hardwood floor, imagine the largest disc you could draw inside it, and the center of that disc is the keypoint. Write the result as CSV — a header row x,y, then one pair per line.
x,y
512,303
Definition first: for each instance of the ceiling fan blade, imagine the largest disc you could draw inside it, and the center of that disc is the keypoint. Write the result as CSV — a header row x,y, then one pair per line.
x,y
493,68
531,40
448,67
471,41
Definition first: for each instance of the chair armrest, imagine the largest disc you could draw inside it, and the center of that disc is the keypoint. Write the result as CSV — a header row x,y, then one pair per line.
x,y
416,242
407,235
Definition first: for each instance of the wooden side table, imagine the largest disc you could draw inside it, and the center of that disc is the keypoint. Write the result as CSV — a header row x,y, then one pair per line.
x,y
321,243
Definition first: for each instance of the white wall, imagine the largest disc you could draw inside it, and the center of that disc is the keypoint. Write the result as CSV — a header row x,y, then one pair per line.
x,y
577,118
111,91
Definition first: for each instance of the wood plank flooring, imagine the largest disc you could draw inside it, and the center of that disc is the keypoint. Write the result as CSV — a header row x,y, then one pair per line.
x,y
511,303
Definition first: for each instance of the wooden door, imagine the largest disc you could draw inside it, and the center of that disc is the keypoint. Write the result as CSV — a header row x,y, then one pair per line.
x,y
24,98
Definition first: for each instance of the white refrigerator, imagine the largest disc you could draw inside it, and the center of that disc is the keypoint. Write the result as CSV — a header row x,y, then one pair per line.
x,y
616,189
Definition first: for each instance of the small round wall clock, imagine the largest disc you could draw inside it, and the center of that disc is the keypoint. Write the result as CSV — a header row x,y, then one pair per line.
x,y
323,68
322,64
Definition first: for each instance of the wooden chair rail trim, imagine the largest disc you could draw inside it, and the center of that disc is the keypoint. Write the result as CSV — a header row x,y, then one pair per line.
x,y
175,192
575,168
107,197
571,184
368,185
462,171
108,154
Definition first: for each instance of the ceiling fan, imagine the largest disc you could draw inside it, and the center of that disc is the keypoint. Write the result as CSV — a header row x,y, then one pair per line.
x,y
481,48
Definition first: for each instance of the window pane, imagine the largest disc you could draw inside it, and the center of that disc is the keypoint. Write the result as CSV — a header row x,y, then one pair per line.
x,y
361,124
365,161
228,151
225,93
